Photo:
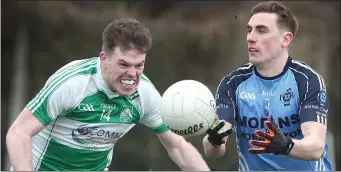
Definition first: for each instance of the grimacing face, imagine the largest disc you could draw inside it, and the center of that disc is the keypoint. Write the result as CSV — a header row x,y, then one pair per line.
x,y
265,40
122,71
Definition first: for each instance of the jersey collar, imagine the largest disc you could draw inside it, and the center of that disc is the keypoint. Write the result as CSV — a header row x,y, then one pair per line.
x,y
101,84
286,67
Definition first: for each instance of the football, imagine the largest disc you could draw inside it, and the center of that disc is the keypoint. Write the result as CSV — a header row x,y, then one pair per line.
x,y
188,108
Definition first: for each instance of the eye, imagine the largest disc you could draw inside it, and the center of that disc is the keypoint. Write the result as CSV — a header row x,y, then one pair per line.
x,y
262,30
140,65
124,65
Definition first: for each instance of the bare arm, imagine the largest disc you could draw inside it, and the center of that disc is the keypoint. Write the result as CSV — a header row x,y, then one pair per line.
x,y
182,153
18,140
311,147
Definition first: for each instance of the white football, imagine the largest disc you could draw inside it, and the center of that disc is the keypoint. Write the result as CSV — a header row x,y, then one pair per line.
x,y
188,108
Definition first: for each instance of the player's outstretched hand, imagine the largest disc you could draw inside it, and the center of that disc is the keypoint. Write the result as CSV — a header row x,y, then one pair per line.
x,y
216,133
275,141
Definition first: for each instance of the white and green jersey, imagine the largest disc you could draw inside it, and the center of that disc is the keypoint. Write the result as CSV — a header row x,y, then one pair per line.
x,y
84,119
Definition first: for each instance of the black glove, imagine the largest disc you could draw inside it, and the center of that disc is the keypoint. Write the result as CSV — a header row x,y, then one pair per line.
x,y
275,142
216,135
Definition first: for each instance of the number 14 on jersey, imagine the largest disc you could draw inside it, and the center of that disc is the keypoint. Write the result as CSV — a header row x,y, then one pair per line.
x,y
105,115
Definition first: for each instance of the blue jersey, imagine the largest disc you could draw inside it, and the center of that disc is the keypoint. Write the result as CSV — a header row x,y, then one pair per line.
x,y
244,98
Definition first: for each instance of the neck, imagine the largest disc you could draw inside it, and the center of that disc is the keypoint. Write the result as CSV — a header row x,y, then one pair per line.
x,y
274,67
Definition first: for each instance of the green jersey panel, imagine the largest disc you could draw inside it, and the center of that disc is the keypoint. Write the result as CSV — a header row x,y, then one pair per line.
x,y
40,106
55,159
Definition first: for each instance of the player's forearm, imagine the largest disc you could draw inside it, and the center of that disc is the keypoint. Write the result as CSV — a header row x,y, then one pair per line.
x,y
188,158
19,150
309,149
213,151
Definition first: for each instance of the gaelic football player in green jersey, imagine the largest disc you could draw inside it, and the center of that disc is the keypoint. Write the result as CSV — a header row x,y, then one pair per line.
x,y
87,105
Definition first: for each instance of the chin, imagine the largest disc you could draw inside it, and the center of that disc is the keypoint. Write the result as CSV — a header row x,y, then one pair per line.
x,y
125,93
256,60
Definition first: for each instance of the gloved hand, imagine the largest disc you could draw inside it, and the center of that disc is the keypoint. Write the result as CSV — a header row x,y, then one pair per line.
x,y
217,132
275,142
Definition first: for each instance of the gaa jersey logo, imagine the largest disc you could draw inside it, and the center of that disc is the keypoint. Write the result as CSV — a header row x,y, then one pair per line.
x,y
286,97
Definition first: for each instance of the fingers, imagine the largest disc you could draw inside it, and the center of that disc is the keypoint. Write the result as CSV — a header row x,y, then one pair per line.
x,y
225,133
270,127
259,143
219,126
215,128
257,150
270,118
263,135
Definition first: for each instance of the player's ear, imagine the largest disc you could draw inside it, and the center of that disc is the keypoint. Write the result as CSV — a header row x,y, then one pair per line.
x,y
287,37
102,56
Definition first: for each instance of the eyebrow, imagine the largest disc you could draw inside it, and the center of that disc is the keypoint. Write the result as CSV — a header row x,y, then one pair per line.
x,y
257,27
123,61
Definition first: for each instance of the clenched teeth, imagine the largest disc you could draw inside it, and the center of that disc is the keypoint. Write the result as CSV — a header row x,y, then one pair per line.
x,y
128,83
252,50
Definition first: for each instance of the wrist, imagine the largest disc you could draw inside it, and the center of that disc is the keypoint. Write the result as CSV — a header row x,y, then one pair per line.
x,y
288,147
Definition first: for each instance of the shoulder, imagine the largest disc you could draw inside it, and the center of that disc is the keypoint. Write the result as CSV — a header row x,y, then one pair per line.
x,y
237,76
74,75
306,73
146,88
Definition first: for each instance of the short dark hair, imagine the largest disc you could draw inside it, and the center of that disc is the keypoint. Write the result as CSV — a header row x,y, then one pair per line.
x,y
286,19
127,34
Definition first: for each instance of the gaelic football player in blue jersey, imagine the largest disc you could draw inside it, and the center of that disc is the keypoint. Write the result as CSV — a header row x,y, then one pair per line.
x,y
276,105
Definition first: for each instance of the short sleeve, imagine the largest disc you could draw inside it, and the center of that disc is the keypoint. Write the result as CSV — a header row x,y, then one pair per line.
x,y
57,96
152,116
314,106
225,106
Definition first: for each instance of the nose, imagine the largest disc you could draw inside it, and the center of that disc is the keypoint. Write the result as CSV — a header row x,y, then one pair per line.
x,y
131,72
250,38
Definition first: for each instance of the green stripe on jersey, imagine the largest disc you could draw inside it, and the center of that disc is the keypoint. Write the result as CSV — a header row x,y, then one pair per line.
x,y
144,77
59,157
39,105
98,108
160,129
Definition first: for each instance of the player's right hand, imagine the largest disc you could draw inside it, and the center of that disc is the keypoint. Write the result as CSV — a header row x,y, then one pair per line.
x,y
217,132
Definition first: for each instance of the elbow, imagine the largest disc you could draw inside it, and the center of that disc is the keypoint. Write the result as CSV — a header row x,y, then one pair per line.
x,y
13,135
10,138
9,135
319,151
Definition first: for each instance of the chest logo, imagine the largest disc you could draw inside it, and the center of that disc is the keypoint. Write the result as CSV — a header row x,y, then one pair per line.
x,y
126,114
248,96
286,97
86,107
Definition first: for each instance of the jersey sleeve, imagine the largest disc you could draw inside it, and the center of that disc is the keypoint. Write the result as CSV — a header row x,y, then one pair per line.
x,y
58,96
314,106
152,116
225,103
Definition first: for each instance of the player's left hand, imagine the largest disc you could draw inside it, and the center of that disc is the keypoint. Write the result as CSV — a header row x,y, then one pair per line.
x,y
275,141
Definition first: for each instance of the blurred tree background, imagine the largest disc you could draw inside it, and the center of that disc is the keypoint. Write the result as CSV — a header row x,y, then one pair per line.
x,y
200,40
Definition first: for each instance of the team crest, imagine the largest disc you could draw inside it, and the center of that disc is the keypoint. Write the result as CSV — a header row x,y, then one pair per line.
x,y
322,97
126,114
286,97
